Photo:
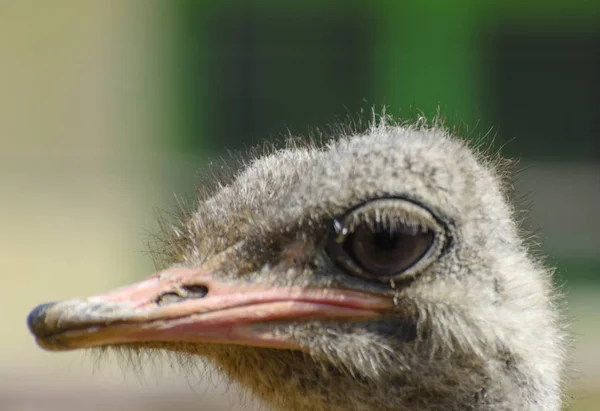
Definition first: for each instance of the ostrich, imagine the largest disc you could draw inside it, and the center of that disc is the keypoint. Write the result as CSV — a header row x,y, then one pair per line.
x,y
382,270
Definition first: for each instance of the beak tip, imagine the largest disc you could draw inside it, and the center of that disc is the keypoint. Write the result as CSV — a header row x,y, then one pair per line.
x,y
36,319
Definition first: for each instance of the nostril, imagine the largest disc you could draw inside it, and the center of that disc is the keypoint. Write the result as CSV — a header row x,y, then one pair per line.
x,y
169,298
195,291
181,294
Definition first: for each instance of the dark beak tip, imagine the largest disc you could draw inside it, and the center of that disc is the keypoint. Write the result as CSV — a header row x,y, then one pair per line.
x,y
36,319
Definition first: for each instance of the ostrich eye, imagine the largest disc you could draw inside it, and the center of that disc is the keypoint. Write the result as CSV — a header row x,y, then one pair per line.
x,y
385,239
386,253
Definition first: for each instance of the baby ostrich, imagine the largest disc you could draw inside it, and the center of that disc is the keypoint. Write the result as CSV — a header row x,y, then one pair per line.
x,y
380,271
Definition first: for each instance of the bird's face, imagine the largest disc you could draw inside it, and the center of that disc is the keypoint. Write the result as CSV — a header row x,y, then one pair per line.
x,y
264,293
340,255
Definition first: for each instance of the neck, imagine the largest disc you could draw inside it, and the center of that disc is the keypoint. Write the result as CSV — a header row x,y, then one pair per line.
x,y
290,380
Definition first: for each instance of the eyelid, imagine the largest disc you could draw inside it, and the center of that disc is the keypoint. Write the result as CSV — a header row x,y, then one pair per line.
x,y
389,214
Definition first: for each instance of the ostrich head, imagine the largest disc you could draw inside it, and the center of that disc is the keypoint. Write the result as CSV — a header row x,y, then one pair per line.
x,y
381,271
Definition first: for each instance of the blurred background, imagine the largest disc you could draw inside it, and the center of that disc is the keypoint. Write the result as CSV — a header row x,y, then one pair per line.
x,y
107,108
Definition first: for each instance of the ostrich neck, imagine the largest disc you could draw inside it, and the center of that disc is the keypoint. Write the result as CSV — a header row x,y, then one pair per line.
x,y
290,380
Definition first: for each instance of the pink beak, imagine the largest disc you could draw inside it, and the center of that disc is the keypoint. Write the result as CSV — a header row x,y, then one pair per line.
x,y
190,305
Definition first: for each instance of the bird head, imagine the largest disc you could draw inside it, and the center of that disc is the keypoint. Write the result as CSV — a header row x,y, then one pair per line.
x,y
388,260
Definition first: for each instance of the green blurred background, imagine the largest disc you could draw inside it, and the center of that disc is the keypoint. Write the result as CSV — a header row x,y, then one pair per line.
x,y
109,107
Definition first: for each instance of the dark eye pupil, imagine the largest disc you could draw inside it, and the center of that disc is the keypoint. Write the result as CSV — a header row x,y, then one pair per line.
x,y
385,241
385,253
